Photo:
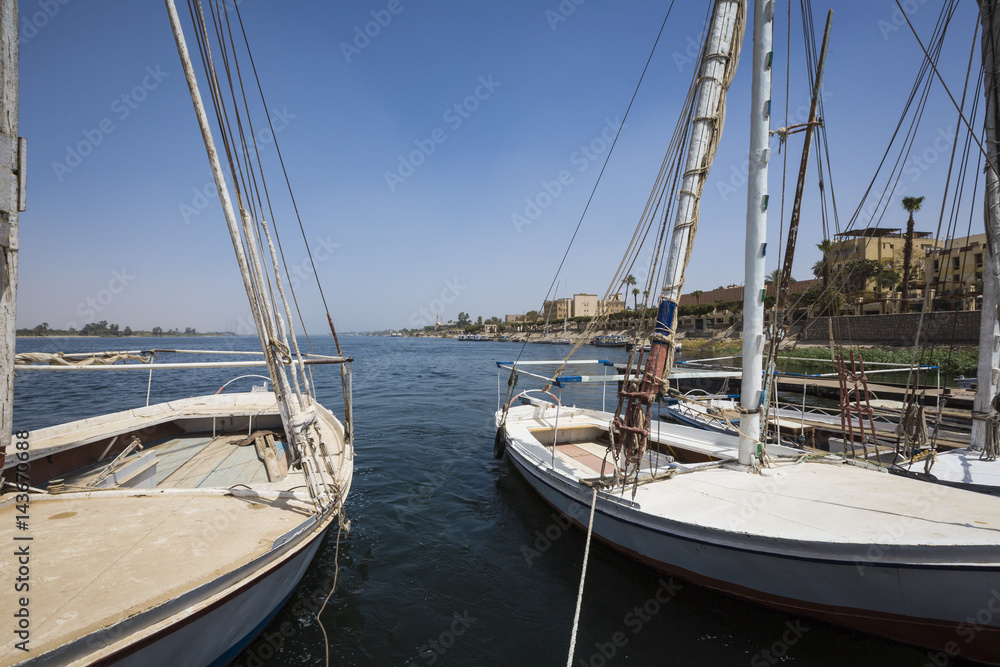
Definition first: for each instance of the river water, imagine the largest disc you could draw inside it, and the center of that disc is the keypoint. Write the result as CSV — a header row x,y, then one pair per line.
x,y
451,558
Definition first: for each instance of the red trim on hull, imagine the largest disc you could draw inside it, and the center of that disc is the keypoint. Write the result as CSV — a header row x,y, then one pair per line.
x,y
950,639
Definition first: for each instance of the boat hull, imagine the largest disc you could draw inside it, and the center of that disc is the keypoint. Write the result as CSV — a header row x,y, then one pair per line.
x,y
216,635
864,594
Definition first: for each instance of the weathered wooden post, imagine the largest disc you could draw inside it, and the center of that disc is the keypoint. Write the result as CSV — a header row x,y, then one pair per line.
x,y
12,193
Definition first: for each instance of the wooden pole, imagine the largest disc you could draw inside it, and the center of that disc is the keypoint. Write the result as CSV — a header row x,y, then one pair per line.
x,y
12,158
988,365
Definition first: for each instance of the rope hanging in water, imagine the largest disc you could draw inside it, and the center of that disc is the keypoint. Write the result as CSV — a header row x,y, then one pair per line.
x,y
583,578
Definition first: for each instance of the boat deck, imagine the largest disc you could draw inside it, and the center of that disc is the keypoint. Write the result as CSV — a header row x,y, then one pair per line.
x,y
190,461
124,555
868,507
591,459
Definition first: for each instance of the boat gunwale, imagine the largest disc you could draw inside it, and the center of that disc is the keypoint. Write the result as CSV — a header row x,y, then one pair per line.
x,y
894,555
881,562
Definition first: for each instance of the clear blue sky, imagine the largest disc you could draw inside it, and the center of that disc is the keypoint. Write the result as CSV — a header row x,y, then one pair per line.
x,y
114,237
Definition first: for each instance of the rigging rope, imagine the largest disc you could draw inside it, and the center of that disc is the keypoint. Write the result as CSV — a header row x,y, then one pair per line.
x,y
583,578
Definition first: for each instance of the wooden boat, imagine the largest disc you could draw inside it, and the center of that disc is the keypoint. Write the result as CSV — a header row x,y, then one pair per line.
x,y
824,538
173,533
176,554
820,536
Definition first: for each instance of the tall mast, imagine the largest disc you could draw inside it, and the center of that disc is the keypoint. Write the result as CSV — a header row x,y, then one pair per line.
x,y
287,405
13,154
756,236
722,53
989,332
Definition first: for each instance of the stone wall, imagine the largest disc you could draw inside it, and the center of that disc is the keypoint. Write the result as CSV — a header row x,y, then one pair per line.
x,y
942,328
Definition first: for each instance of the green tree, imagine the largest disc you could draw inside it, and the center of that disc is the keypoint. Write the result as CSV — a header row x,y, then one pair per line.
x,y
127,331
531,316
912,205
463,319
821,269
157,331
635,298
628,281
697,295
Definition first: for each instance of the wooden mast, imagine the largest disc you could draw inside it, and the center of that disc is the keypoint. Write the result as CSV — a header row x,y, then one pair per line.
x,y
989,333
12,193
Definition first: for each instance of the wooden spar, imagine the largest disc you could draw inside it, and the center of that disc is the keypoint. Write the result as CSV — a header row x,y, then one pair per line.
x,y
264,328
989,332
756,236
13,154
793,224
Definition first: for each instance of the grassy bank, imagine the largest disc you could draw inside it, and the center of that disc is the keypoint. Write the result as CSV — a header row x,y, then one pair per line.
x,y
952,361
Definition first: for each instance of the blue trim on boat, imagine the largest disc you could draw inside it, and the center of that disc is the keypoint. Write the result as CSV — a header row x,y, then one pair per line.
x,y
238,647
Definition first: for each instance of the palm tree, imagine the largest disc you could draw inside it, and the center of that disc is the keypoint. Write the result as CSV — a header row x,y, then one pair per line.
x,y
773,277
697,295
821,269
635,298
912,205
628,281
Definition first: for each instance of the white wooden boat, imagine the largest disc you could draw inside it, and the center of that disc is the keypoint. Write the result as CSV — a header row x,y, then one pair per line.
x,y
863,549
834,539
183,552
170,534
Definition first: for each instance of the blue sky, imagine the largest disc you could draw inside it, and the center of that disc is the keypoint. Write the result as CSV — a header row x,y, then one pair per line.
x,y
125,232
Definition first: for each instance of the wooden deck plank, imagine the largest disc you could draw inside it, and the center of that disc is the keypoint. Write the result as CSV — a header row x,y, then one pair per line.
x,y
236,468
200,466
174,453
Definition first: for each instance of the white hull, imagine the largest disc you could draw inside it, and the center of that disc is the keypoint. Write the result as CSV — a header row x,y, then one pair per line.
x,y
903,584
184,567
211,631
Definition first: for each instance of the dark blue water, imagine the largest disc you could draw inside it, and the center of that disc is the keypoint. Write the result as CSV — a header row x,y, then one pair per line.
x,y
452,559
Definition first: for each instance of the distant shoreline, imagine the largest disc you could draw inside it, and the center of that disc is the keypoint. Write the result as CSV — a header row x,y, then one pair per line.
x,y
134,336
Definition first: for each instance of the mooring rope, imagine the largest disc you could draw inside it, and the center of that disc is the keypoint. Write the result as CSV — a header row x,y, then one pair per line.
x,y
583,578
